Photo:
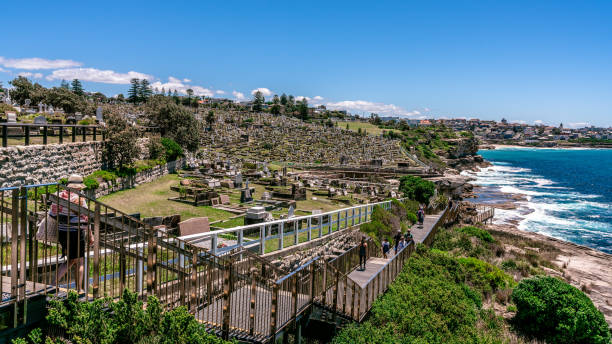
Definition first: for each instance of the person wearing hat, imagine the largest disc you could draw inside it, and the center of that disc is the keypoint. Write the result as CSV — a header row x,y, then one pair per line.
x,y
73,228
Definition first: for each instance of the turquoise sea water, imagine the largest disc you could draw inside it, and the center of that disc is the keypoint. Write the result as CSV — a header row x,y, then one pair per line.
x,y
567,192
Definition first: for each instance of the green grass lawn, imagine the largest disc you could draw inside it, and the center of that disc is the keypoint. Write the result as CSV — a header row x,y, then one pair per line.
x,y
369,127
151,199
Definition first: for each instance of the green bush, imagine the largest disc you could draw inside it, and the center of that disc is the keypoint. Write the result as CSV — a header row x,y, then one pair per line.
x,y
91,183
550,309
485,277
156,149
417,188
412,218
173,149
124,321
477,232
427,303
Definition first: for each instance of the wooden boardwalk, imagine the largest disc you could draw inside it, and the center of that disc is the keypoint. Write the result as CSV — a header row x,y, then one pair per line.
x,y
420,233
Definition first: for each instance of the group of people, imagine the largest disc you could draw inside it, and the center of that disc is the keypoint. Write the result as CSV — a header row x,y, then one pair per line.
x,y
400,242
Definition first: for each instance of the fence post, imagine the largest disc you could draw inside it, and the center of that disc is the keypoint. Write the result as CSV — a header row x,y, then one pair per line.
x,y
152,263
262,239
27,135
273,310
227,297
312,282
22,248
4,136
84,133
45,134
74,134
61,134
95,130
193,302
252,308
96,263
336,290
14,252
281,235
294,296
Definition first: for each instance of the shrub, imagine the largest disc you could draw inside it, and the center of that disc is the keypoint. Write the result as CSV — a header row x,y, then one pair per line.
x,y
477,232
91,183
124,321
417,188
120,148
156,149
412,218
173,149
550,309
484,276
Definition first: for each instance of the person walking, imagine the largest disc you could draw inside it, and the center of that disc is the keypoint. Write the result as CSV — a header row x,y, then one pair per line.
x,y
408,237
401,245
385,247
73,228
396,240
421,216
362,253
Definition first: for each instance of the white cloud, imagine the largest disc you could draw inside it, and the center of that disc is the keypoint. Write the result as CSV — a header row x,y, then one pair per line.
x,y
2,70
187,80
426,109
182,87
37,63
31,75
266,92
317,98
219,92
238,95
576,125
300,98
97,75
538,122
366,106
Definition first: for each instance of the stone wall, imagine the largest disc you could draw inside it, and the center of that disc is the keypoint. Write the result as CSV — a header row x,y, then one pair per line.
x,y
38,164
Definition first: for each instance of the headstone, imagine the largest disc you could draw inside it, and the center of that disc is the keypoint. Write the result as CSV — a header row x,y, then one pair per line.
x,y
99,116
40,120
50,109
291,212
27,102
317,211
40,107
194,226
224,199
245,196
11,117
266,196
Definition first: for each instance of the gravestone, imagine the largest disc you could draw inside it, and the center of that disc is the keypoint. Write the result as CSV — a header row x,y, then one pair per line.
x,y
27,102
11,117
40,107
194,226
224,199
40,120
291,212
245,195
99,116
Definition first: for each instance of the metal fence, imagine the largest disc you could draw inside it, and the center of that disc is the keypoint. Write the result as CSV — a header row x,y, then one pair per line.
x,y
25,133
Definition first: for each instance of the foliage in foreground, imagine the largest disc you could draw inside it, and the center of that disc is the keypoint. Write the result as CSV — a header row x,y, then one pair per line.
x,y
104,321
386,223
550,309
431,301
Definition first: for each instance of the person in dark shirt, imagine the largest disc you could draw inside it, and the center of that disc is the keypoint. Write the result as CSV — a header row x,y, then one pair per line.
x,y
385,247
362,253
396,240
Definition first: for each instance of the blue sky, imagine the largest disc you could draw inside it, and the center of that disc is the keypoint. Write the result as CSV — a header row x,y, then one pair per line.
x,y
529,61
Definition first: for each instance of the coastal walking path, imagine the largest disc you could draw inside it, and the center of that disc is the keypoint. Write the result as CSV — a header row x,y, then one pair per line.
x,y
374,264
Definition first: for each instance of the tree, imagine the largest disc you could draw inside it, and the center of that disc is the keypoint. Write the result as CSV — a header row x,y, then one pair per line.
x,y
258,101
144,91
134,91
291,100
303,109
283,99
77,87
120,148
65,99
275,109
65,84
210,118
275,99
416,188
175,121
121,97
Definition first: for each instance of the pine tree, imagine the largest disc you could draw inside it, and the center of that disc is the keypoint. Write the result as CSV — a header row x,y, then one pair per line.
x,y
291,100
258,101
134,91
77,87
276,100
303,109
144,90
283,99
65,84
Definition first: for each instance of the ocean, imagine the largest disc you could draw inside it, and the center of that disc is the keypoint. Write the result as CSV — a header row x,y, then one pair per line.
x,y
562,193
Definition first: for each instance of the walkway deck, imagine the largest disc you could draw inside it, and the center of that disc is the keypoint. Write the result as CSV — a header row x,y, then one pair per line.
x,y
374,264
419,233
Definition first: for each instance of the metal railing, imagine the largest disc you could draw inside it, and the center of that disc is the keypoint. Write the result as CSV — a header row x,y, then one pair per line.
x,y
278,234
25,132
